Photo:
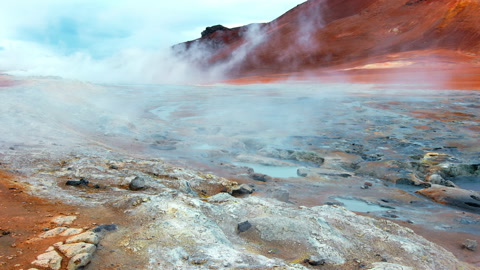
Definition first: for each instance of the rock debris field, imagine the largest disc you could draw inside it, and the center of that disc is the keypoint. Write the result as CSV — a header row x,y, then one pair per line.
x,y
292,176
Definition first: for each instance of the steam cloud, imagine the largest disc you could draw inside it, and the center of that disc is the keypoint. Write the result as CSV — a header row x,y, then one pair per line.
x,y
115,41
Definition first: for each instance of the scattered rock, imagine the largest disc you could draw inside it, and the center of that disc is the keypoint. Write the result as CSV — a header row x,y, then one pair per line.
x,y
244,226
241,190
366,185
303,172
470,244
314,262
281,194
105,227
260,177
81,182
137,183
71,250
51,260
79,260
113,167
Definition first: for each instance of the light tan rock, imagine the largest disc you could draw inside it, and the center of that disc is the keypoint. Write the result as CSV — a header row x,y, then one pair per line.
x,y
64,220
53,232
79,260
50,260
71,231
87,237
71,250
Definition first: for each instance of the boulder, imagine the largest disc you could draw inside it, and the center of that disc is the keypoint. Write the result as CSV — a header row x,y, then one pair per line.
x,y
457,197
79,260
70,250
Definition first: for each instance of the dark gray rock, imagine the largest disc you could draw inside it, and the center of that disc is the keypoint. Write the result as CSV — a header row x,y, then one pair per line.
x,y
105,227
281,194
81,182
470,244
244,226
241,190
260,177
303,172
213,29
314,261
137,183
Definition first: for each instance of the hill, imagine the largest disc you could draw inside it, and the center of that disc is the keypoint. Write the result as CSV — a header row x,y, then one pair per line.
x,y
348,37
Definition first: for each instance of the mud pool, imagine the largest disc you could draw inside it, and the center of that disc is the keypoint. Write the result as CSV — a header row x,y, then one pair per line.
x,y
361,146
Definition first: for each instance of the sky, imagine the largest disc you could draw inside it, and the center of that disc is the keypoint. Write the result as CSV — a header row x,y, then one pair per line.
x,y
42,35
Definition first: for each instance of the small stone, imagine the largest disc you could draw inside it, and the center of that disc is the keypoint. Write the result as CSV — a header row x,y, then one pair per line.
x,y
470,244
87,237
50,260
113,167
314,261
281,195
71,250
137,183
244,226
81,182
241,190
303,172
260,177
79,260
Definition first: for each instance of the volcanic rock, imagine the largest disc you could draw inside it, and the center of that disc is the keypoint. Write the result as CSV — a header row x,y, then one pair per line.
x,y
213,29
137,183
244,226
241,189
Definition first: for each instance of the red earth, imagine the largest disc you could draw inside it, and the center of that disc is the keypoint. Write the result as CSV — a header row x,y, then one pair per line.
x,y
384,41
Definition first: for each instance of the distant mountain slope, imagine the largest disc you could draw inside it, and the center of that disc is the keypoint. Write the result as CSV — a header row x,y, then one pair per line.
x,y
346,33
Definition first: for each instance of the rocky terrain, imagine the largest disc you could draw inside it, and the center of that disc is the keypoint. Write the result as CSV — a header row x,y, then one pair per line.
x,y
174,218
184,178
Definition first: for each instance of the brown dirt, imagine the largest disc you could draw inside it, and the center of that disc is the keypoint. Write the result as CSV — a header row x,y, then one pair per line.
x,y
23,217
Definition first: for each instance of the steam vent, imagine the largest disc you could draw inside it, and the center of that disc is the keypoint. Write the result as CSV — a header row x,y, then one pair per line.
x,y
344,134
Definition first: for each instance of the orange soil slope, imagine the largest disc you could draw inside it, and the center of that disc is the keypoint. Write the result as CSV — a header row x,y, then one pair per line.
x,y
321,35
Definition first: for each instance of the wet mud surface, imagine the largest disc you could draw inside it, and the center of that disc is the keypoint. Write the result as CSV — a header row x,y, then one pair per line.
x,y
370,150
